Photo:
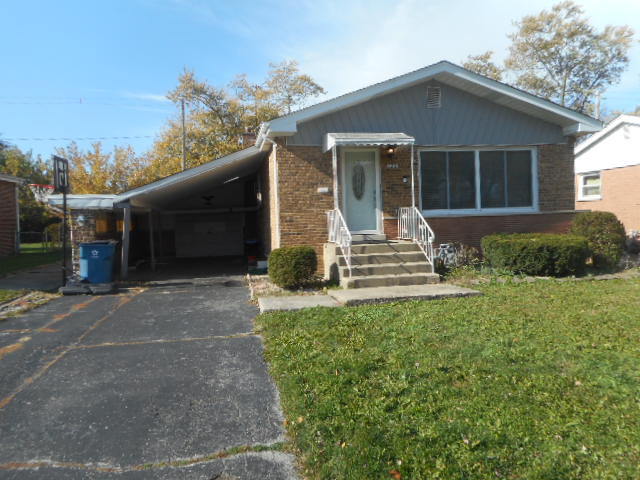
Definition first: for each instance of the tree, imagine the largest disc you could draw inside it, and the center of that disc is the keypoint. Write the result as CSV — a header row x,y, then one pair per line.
x,y
558,55
34,217
288,88
217,117
94,171
484,65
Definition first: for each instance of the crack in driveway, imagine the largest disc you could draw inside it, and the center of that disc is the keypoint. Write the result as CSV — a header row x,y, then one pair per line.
x,y
188,376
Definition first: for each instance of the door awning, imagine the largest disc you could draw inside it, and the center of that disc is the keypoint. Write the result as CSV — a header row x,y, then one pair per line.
x,y
365,139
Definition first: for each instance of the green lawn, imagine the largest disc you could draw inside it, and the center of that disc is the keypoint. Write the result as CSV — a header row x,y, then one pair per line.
x,y
31,255
6,295
529,381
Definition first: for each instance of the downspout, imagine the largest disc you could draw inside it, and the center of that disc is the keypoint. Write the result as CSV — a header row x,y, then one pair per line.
x,y
413,187
276,192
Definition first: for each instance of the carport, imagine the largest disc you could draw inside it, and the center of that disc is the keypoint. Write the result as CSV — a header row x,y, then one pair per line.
x,y
204,212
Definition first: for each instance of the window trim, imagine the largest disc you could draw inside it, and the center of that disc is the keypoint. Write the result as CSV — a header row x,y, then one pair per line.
x,y
589,198
534,208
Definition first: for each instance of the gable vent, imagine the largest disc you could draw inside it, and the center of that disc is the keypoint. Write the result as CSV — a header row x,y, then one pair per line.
x,y
434,97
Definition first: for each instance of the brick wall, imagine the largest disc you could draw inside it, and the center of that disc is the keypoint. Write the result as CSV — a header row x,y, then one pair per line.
x,y
396,193
620,191
556,177
470,230
82,224
8,218
302,169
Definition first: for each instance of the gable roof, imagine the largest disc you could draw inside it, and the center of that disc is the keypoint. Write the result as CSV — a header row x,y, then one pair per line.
x,y
608,130
573,123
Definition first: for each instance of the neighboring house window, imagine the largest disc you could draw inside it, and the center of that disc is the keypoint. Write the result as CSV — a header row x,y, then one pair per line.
x,y
475,181
590,186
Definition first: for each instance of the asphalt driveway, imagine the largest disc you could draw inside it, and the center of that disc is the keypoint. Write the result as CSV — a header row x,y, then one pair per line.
x,y
163,383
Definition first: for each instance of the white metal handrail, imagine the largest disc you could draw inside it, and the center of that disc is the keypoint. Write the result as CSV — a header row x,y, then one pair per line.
x,y
413,226
339,234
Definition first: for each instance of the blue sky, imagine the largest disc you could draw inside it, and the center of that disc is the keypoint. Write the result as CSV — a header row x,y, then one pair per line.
x,y
78,69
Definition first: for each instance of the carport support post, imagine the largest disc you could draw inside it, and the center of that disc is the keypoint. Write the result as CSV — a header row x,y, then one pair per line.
x,y
151,245
126,229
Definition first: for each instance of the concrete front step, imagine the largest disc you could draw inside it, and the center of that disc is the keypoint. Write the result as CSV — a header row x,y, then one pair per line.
x,y
382,247
389,280
378,258
386,269
369,237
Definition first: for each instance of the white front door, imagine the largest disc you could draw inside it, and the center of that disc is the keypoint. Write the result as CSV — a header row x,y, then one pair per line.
x,y
361,192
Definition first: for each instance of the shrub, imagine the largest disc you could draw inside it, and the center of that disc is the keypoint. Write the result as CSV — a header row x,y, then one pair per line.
x,y
605,235
536,253
291,267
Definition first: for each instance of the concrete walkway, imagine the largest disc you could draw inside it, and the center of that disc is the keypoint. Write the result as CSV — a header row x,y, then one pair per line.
x,y
166,383
360,296
47,278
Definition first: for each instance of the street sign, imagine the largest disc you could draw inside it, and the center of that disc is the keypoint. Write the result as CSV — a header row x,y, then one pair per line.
x,y
61,173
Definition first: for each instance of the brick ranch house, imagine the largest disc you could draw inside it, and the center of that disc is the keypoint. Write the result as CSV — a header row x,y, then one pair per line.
x,y
9,214
437,155
607,171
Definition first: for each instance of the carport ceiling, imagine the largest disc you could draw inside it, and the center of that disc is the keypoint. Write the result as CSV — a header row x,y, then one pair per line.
x,y
163,193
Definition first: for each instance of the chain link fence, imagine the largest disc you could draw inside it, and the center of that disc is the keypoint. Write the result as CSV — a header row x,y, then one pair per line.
x,y
49,240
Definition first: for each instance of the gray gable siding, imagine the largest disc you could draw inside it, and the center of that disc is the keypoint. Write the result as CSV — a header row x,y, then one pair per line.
x,y
463,119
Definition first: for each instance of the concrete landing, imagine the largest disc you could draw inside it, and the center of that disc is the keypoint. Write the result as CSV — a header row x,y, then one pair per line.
x,y
360,296
275,304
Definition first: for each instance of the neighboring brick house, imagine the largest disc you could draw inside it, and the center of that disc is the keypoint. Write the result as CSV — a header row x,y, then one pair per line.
x,y
607,171
438,155
9,215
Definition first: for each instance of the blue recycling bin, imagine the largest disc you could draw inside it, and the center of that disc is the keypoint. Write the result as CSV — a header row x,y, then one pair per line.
x,y
96,261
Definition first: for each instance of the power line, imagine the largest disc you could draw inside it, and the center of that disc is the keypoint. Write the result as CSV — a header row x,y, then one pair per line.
x,y
84,102
42,139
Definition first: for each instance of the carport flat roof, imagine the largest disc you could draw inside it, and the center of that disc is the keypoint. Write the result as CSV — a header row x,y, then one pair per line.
x,y
200,179
163,192
84,201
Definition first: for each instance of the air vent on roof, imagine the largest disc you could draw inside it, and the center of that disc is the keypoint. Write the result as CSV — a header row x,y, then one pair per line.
x,y
434,97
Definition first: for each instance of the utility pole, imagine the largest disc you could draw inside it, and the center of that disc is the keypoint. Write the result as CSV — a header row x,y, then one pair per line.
x,y
598,105
184,138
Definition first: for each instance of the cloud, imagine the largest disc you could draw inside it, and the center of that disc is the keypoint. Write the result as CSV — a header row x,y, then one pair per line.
x,y
153,97
349,44
362,42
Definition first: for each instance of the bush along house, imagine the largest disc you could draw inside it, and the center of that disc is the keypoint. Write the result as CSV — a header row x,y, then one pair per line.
x,y
373,180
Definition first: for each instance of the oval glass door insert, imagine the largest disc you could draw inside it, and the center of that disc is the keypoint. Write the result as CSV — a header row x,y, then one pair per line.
x,y
358,180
